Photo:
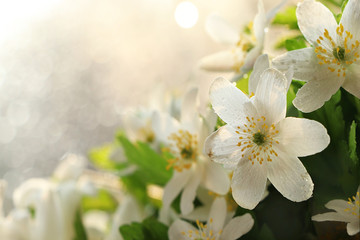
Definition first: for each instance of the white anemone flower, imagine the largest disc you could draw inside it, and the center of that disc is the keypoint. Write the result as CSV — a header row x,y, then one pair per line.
x,y
54,203
185,140
244,50
345,211
260,143
333,59
214,229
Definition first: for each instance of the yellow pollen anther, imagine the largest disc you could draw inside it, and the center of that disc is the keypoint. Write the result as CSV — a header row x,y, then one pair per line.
x,y
184,147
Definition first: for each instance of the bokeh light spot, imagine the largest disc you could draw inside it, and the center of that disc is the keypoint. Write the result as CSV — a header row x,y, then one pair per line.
x,y
186,14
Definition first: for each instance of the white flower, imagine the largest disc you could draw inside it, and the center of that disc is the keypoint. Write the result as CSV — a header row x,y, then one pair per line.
x,y
54,203
137,122
185,141
96,224
214,229
260,143
244,50
333,59
345,211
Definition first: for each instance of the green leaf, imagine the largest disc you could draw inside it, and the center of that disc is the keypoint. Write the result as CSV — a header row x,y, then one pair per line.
x,y
132,232
100,157
151,165
353,143
102,201
343,5
293,44
155,230
298,40
287,17
149,229
243,83
266,233
80,233
219,123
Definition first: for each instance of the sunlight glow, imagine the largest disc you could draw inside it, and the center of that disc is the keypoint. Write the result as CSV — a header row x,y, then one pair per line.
x,y
186,14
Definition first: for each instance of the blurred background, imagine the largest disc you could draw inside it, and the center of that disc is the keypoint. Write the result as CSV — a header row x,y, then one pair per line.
x,y
69,68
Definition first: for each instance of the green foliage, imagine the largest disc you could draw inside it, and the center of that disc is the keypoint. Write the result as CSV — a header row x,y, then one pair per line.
x,y
132,232
102,201
287,17
343,5
243,83
335,171
151,165
291,43
295,43
219,123
80,233
150,168
149,229
266,233
101,157
352,144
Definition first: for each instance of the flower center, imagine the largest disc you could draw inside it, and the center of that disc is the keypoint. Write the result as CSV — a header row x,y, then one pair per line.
x,y
338,53
354,207
184,147
259,138
147,134
204,232
256,140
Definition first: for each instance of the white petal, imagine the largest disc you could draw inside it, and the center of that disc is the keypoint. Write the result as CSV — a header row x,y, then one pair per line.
x,y
353,228
223,61
174,186
337,205
313,18
352,80
289,177
248,184
270,98
128,211
261,64
70,167
329,216
274,10
350,18
302,137
251,57
237,227
199,213
29,192
260,22
189,106
164,125
178,228
49,218
304,63
221,146
216,178
189,193
221,31
315,93
217,214
231,104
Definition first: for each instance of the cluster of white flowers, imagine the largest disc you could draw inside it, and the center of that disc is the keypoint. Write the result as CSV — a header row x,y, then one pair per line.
x,y
256,146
